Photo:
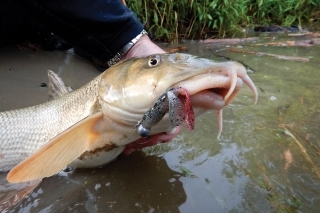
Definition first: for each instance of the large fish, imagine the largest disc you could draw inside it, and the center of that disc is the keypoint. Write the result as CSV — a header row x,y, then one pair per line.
x,y
91,126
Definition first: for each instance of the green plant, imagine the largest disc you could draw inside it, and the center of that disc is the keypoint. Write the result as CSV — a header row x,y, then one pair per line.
x,y
170,20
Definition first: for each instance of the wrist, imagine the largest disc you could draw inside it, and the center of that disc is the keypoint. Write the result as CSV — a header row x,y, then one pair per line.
x,y
126,48
143,47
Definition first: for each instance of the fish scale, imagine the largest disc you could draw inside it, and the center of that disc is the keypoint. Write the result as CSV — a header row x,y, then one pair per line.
x,y
23,131
91,126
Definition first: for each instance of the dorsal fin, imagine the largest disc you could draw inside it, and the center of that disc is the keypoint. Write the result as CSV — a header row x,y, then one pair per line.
x,y
56,86
58,153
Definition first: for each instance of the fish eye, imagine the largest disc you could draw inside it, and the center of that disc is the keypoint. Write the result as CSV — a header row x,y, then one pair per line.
x,y
154,61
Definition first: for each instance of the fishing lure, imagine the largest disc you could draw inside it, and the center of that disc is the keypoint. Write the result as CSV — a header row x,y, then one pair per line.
x,y
168,103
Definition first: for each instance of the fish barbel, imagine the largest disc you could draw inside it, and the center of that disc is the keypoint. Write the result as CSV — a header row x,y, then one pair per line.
x,y
91,126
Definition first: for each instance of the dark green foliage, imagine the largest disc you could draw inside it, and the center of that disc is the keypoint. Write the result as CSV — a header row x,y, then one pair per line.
x,y
170,20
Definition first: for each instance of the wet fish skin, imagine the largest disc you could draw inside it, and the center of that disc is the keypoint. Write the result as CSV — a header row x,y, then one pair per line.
x,y
23,131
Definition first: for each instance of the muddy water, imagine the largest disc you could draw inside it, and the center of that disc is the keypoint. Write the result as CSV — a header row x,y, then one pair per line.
x,y
267,159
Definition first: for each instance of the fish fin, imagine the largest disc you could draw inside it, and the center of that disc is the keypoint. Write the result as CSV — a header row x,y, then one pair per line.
x,y
58,152
56,87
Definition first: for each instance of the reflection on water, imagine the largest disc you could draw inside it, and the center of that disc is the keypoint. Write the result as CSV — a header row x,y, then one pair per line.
x,y
134,183
267,159
12,194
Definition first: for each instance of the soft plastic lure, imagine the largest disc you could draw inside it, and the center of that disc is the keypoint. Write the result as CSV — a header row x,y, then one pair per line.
x,y
168,102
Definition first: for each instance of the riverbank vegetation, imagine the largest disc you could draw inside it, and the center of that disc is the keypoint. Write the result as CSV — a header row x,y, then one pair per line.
x,y
172,20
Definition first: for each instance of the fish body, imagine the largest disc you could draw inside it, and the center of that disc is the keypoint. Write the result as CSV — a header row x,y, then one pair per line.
x,y
93,125
24,131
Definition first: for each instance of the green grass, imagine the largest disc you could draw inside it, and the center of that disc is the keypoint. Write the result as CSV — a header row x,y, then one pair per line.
x,y
171,20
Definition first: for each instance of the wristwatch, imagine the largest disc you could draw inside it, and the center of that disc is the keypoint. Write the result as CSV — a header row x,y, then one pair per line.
x,y
125,49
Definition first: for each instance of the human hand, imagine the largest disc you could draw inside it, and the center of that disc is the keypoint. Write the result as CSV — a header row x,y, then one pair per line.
x,y
143,47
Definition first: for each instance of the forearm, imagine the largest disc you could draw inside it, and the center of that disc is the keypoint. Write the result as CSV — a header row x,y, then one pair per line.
x,y
99,28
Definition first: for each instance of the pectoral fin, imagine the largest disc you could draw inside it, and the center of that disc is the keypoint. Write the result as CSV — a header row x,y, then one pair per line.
x,y
57,153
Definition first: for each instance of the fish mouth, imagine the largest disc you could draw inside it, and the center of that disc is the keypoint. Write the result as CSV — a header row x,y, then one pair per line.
x,y
214,92
209,99
207,92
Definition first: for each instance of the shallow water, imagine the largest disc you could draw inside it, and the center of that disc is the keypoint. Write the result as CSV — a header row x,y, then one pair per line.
x,y
267,159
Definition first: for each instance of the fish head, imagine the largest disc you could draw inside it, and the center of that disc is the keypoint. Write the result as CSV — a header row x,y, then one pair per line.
x,y
129,89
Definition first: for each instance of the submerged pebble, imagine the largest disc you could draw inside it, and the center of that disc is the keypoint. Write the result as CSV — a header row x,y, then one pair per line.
x,y
97,186
43,85
273,98
171,180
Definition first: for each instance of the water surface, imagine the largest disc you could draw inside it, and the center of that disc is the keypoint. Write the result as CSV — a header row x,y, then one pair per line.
x,y
267,159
